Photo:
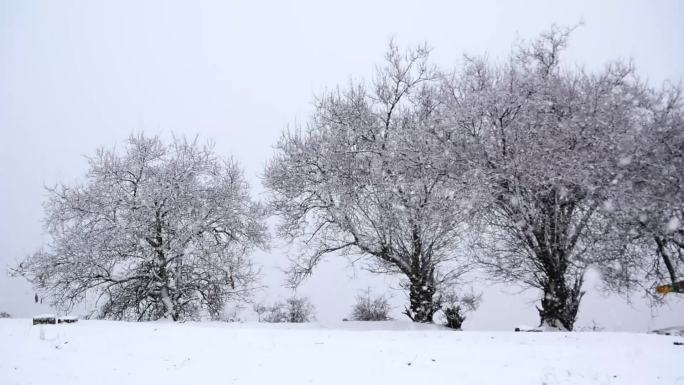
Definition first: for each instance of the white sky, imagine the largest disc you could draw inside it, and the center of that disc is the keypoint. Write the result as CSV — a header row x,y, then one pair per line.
x,y
75,75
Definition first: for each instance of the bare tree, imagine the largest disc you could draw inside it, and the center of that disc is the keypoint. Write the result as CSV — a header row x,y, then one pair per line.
x,y
359,180
548,143
650,206
261,310
155,231
371,308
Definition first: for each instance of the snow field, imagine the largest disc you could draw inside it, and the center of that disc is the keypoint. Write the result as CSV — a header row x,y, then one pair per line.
x,y
350,353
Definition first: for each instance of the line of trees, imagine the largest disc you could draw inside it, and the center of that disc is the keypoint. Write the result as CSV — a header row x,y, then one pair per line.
x,y
537,171
528,169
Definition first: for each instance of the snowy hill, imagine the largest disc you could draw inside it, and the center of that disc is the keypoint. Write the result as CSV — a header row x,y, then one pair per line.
x,y
102,352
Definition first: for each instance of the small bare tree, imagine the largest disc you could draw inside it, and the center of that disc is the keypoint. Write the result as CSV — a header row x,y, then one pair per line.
x,y
548,143
155,231
371,308
261,310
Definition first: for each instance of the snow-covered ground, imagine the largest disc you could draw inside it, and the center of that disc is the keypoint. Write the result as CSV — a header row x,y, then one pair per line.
x,y
350,353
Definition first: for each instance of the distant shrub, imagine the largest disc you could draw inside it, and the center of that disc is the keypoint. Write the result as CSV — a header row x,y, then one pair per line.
x,y
370,308
294,310
595,327
455,308
5,315
261,309
300,310
233,314
276,313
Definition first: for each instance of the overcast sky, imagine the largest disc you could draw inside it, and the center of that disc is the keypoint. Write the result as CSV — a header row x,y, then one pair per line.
x,y
76,75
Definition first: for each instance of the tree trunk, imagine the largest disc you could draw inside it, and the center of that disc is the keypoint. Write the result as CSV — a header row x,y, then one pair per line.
x,y
660,242
560,303
164,292
562,295
421,282
421,296
169,307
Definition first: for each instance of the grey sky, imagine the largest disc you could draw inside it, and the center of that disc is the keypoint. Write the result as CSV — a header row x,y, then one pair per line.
x,y
75,75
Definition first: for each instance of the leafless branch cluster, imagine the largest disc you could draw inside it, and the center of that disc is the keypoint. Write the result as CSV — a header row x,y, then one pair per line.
x,y
371,308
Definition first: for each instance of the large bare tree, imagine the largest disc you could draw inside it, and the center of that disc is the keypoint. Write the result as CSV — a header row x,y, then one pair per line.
x,y
155,231
360,180
548,142
650,203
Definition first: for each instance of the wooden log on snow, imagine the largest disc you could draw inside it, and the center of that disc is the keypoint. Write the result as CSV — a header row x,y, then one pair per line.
x,y
45,319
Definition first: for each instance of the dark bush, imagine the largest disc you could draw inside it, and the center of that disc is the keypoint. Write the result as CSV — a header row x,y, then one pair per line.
x,y
370,308
455,307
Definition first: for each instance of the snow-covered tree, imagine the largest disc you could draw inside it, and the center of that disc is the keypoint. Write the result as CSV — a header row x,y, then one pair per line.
x,y
650,206
154,231
548,143
661,193
359,180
